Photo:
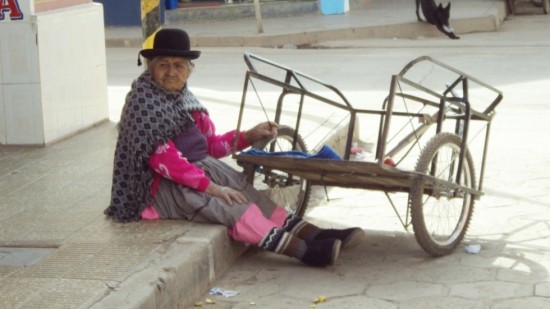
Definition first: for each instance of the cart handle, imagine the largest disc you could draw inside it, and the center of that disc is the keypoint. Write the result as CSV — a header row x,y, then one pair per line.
x,y
490,109
248,58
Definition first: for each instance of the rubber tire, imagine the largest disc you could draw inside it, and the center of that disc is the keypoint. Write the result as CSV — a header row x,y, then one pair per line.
x,y
421,202
293,198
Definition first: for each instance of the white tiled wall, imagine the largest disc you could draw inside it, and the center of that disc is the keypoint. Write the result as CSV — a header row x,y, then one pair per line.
x,y
72,69
21,117
58,59
2,114
19,53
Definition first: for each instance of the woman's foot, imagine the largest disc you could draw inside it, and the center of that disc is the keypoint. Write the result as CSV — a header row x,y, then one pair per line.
x,y
322,252
349,237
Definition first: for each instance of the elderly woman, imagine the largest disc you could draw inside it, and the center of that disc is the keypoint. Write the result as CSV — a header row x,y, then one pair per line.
x,y
166,166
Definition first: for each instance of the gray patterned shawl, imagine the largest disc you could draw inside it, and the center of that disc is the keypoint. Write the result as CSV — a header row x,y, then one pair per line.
x,y
150,116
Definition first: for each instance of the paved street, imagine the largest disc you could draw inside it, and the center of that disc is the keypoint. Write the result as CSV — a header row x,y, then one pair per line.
x,y
389,270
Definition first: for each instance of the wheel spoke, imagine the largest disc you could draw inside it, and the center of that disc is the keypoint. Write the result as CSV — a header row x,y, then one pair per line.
x,y
441,216
289,191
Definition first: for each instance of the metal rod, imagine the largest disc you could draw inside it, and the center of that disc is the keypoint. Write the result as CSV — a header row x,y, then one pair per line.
x,y
405,223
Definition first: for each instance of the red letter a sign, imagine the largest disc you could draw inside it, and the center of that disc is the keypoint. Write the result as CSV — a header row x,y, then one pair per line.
x,y
11,7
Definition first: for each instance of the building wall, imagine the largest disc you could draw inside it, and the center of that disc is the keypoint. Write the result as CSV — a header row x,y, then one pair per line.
x,y
125,12
53,76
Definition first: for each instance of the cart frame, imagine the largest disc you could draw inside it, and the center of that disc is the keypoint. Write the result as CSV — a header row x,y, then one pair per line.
x,y
378,175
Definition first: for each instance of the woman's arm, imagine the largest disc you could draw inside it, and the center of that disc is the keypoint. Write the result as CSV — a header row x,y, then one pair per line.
x,y
218,145
169,163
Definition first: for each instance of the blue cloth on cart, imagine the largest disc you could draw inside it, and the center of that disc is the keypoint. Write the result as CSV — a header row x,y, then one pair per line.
x,y
326,152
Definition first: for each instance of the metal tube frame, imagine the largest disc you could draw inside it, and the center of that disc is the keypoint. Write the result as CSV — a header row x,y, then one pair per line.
x,y
460,108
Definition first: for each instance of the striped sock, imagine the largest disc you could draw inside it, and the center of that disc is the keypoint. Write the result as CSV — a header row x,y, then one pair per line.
x,y
279,241
300,228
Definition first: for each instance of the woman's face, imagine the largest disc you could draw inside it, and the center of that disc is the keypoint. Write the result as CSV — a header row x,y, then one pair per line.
x,y
170,73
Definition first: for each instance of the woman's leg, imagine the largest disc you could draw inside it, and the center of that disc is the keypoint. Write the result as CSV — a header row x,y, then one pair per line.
x,y
245,222
307,231
254,228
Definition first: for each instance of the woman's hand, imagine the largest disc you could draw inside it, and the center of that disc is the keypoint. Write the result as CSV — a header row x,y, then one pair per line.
x,y
263,130
227,193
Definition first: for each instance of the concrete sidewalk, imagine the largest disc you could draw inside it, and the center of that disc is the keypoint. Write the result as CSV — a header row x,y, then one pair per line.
x,y
57,250
376,19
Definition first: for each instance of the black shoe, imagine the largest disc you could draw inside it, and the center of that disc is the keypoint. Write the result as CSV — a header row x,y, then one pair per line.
x,y
321,252
349,237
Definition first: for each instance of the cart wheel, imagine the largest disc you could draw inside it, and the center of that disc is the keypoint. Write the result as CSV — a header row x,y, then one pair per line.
x,y
440,217
289,191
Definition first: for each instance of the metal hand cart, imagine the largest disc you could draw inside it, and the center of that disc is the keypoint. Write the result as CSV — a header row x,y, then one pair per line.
x,y
429,114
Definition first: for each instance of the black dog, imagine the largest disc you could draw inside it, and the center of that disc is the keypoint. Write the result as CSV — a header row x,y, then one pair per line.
x,y
436,15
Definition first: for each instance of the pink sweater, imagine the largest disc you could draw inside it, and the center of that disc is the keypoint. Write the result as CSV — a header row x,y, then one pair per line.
x,y
168,162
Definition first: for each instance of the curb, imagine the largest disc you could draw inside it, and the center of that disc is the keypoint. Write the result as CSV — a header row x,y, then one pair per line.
x,y
178,272
413,30
488,23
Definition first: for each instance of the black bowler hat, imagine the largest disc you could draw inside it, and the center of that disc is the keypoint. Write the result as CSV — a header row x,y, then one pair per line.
x,y
170,42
